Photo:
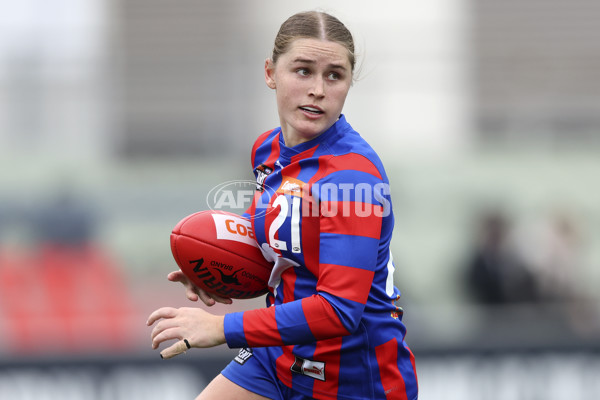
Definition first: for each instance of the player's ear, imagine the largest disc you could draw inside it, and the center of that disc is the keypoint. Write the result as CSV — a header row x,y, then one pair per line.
x,y
270,73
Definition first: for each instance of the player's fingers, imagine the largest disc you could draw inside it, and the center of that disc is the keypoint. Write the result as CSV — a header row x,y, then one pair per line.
x,y
190,289
179,347
167,334
176,276
205,297
210,298
162,326
164,312
223,300
191,293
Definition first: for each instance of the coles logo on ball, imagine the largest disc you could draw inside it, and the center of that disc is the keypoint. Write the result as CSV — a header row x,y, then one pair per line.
x,y
229,227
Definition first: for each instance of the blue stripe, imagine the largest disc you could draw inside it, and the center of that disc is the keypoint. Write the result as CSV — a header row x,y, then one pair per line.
x,y
349,312
348,250
292,324
234,330
406,370
354,360
309,168
306,283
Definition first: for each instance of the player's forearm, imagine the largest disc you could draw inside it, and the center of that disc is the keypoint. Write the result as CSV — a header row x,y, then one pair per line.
x,y
298,322
219,330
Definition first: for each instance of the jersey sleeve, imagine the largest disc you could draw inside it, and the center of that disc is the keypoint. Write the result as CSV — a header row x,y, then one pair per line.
x,y
352,209
352,205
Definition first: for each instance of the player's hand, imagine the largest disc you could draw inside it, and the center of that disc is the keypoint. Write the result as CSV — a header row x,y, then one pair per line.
x,y
193,292
193,327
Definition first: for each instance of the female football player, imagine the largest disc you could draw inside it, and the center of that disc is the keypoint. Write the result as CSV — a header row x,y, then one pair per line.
x,y
323,216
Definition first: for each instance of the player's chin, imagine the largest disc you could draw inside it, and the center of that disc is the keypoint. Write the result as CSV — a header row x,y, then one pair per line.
x,y
311,129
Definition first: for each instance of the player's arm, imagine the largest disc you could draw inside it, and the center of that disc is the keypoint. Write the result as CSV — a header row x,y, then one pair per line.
x,y
349,242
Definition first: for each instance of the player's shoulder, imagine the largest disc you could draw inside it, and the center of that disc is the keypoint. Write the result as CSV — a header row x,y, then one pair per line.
x,y
264,138
350,151
262,146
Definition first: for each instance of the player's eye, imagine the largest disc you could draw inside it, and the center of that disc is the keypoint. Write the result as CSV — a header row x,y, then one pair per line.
x,y
303,71
333,76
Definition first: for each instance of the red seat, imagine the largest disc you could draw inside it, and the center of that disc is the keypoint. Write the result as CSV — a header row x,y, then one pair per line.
x,y
65,300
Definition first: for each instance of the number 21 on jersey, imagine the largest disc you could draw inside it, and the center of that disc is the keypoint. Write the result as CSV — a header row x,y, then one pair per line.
x,y
283,203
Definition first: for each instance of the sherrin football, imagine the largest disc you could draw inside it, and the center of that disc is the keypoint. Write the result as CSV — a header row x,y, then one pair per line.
x,y
218,252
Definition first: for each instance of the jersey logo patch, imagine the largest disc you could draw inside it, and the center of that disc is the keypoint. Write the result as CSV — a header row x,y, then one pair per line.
x,y
243,355
262,171
291,186
314,369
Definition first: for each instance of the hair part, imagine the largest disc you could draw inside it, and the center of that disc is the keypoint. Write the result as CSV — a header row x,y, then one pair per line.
x,y
313,25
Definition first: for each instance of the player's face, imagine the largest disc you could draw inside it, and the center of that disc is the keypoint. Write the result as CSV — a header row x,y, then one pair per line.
x,y
311,80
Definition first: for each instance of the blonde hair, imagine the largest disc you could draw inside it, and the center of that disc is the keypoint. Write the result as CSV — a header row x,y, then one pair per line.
x,y
313,25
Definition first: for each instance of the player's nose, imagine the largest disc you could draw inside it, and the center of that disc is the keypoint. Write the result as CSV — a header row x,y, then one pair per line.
x,y
317,87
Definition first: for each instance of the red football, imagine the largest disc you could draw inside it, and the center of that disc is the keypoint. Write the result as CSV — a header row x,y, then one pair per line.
x,y
218,252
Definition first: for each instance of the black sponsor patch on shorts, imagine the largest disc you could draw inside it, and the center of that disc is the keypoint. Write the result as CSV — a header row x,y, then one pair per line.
x,y
243,355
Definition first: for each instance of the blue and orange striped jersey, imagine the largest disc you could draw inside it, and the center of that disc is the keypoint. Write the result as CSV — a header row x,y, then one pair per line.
x,y
322,212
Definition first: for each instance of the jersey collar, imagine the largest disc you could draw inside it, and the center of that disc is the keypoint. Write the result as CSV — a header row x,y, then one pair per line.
x,y
288,152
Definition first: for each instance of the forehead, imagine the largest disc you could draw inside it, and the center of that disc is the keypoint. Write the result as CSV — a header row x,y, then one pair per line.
x,y
318,51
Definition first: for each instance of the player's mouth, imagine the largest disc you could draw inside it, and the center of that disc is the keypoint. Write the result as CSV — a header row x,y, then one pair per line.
x,y
312,111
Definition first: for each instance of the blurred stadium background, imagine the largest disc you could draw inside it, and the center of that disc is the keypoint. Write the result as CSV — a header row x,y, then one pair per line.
x,y
118,116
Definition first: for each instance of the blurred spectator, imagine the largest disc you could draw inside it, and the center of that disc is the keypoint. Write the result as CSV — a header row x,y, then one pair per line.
x,y
494,273
551,252
64,220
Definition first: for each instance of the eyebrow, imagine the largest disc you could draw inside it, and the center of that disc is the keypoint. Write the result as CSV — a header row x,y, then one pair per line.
x,y
309,61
